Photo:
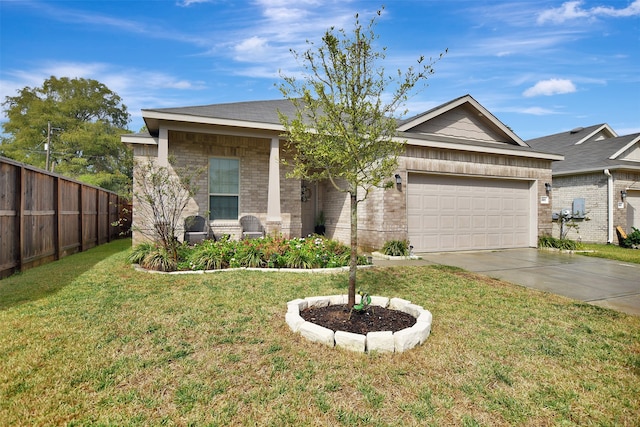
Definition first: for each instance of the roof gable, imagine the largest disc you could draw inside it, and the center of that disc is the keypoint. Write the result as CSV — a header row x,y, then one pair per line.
x,y
602,132
463,118
630,150
560,142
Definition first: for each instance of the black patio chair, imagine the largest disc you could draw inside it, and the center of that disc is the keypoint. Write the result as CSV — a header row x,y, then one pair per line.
x,y
196,229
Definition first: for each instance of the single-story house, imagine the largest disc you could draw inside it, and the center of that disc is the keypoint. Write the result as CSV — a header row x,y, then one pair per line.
x,y
598,182
465,181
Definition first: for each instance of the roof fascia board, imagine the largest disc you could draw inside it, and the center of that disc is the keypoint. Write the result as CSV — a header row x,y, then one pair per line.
x,y
139,139
625,148
233,131
598,129
467,99
210,120
596,170
477,149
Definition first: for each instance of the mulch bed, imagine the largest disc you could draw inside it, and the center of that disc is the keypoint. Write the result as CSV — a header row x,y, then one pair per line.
x,y
373,319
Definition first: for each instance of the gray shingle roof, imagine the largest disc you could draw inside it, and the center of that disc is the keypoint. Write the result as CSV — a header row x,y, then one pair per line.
x,y
588,156
250,111
560,142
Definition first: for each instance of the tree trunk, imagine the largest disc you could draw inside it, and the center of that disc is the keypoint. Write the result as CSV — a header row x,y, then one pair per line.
x,y
353,263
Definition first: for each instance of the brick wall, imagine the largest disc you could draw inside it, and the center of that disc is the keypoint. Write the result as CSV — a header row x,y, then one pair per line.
x,y
193,150
593,188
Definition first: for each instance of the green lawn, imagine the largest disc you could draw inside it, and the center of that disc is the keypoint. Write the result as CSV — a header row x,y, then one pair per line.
x,y
612,252
89,341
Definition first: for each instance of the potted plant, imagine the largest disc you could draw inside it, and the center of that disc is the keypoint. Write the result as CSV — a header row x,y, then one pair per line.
x,y
320,220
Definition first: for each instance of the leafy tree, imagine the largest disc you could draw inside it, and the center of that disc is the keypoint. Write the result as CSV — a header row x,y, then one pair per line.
x,y
85,120
344,127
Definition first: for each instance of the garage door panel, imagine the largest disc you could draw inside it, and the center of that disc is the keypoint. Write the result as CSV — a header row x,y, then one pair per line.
x,y
447,223
493,222
464,222
479,203
447,203
463,213
507,222
479,240
464,202
479,221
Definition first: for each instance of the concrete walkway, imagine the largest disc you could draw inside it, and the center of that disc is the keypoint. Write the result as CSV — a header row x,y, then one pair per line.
x,y
598,281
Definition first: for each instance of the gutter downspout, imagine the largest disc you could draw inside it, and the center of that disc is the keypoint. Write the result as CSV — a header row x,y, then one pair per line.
x,y
609,206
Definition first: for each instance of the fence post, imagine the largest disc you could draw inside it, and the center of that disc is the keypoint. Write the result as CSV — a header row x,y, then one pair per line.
x,y
81,216
97,217
20,216
58,218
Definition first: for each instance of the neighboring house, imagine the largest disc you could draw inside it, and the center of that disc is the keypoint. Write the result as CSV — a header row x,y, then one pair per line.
x,y
465,182
601,171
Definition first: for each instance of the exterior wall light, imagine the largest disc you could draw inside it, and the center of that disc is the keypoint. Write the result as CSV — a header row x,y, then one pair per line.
x,y
547,187
305,193
623,195
398,180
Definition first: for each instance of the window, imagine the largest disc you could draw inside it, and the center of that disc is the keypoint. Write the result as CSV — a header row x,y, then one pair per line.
x,y
224,188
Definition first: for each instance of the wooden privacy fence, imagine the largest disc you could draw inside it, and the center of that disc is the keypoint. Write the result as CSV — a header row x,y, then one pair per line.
x,y
44,216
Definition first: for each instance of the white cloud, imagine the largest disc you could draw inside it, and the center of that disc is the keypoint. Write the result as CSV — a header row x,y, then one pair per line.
x,y
187,3
573,10
249,49
550,87
536,111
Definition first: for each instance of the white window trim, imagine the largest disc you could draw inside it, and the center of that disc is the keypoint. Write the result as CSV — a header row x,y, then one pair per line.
x,y
209,193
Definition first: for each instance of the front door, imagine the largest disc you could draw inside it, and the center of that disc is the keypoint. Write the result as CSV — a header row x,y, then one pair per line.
x,y
308,195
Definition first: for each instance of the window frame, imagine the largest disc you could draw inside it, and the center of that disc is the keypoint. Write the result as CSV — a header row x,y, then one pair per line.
x,y
210,194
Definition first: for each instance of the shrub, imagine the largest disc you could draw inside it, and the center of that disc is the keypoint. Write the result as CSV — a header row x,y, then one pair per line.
x,y
563,244
633,239
271,252
139,252
207,256
396,248
159,259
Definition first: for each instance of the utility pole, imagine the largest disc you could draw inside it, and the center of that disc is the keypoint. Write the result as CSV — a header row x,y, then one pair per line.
x,y
48,144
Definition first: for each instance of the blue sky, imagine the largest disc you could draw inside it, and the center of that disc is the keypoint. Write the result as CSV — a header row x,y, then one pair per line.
x,y
540,66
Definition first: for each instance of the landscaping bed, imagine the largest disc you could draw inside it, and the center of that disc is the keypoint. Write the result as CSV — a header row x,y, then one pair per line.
x,y
311,252
340,318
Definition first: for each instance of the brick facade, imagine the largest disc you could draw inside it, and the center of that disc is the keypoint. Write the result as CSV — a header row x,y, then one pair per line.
x,y
381,217
593,187
193,150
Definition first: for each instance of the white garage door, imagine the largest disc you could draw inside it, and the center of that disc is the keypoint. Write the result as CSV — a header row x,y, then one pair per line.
x,y
450,213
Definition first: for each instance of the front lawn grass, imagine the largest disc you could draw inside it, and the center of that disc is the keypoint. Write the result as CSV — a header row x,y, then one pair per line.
x,y
612,252
89,341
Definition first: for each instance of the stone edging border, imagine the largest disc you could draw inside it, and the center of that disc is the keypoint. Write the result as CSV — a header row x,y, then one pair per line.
x,y
383,341
268,270
380,255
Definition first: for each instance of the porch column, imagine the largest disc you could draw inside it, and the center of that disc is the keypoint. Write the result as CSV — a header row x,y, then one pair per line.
x,y
163,147
273,197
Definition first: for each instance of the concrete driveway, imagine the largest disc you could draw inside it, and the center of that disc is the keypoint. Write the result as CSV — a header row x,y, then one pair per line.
x,y
598,281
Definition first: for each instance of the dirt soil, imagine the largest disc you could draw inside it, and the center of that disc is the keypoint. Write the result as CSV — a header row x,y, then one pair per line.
x,y
373,319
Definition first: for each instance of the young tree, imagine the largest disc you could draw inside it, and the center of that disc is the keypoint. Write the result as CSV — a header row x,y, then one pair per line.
x,y
162,194
81,119
344,127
